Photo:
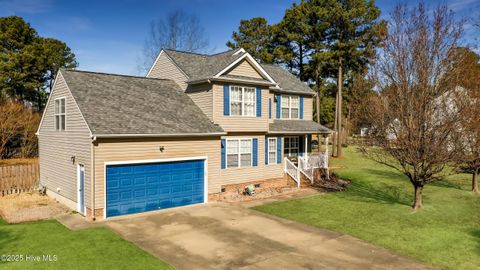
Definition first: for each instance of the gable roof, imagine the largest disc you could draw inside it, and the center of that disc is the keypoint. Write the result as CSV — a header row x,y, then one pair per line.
x,y
287,82
201,66
127,105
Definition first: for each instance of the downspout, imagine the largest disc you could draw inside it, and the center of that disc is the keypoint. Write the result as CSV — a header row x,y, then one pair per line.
x,y
92,175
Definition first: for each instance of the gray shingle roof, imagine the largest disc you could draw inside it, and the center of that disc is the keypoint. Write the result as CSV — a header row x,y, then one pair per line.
x,y
117,104
297,126
202,66
286,80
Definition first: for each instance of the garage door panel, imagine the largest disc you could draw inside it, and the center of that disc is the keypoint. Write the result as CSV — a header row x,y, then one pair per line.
x,y
134,188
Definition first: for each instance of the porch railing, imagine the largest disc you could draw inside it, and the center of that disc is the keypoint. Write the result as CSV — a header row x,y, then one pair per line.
x,y
292,170
305,167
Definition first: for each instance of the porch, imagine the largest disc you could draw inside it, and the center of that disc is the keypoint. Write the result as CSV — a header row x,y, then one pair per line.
x,y
301,154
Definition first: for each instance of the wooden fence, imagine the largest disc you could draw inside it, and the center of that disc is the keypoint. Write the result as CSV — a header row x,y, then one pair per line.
x,y
19,178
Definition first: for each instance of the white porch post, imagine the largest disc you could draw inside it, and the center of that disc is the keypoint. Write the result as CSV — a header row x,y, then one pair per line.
x,y
326,145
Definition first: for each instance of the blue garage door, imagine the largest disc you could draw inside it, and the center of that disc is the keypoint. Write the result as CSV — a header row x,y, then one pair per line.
x,y
136,188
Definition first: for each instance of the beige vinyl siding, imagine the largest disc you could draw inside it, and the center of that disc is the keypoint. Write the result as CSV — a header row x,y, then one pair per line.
x,y
239,123
271,95
164,68
148,149
247,174
202,95
56,148
244,68
307,108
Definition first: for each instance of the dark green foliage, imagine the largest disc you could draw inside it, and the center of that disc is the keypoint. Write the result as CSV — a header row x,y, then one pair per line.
x,y
311,39
28,62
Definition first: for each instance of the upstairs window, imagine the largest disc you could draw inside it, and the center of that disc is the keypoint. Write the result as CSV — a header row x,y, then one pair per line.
x,y
60,114
242,101
290,107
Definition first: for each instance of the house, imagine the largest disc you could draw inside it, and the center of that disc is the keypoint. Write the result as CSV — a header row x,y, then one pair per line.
x,y
196,126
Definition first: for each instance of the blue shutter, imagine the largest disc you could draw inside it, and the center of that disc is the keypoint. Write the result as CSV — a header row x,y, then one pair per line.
x,y
301,143
224,157
255,151
259,102
279,149
301,107
279,104
226,99
266,150
270,108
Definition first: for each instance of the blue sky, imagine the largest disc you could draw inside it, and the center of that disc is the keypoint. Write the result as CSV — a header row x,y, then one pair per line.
x,y
108,36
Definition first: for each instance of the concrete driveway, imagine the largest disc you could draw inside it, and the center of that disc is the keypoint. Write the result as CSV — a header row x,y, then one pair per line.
x,y
222,236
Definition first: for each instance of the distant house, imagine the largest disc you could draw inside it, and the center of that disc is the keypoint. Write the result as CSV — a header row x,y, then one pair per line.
x,y
195,126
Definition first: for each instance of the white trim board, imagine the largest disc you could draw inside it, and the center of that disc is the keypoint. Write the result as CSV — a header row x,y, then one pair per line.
x,y
252,61
140,161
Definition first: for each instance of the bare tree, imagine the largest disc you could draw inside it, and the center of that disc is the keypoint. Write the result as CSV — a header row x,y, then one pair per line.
x,y
412,123
177,31
467,137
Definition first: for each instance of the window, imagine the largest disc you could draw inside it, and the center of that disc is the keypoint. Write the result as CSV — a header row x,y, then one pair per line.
x,y
291,147
60,114
239,153
290,107
242,101
272,150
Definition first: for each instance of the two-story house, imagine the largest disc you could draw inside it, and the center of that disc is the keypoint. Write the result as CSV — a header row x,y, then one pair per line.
x,y
196,126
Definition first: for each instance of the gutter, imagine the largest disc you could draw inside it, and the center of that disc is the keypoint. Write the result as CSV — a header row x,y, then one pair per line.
x,y
300,132
101,136
208,80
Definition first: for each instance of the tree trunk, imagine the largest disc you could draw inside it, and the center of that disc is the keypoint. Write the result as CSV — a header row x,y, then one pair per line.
x,y
475,181
318,96
417,204
339,111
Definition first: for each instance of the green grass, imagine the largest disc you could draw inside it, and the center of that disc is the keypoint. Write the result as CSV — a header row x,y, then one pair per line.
x,y
94,248
376,207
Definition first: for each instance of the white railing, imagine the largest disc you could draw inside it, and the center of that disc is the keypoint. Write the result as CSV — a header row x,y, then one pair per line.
x,y
292,170
318,161
305,167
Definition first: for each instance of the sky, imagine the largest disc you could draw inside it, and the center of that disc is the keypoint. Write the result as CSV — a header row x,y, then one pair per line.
x,y
108,36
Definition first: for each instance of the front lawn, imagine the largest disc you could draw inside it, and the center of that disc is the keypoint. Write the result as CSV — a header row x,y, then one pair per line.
x,y
95,248
376,207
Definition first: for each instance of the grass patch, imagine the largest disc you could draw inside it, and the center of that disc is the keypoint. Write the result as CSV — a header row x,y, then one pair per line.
x,y
95,248
376,207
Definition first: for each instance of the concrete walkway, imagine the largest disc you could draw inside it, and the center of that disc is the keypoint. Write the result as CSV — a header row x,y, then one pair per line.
x,y
223,236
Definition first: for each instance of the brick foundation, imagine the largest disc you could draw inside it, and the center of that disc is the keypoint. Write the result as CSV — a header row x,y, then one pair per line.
x,y
264,184
98,214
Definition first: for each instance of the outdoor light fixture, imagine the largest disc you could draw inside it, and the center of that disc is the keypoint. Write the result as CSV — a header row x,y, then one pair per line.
x,y
161,148
73,159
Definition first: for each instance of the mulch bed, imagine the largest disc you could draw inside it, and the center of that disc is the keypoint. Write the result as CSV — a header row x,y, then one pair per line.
x,y
332,183
23,207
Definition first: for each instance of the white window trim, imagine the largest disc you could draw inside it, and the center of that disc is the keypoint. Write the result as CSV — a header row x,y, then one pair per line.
x,y
243,101
270,162
239,153
289,97
55,114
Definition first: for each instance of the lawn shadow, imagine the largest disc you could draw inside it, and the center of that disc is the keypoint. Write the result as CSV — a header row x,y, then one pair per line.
x,y
378,192
388,174
476,234
446,184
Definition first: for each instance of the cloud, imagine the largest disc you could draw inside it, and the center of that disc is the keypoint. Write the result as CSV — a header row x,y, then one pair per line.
x,y
13,7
